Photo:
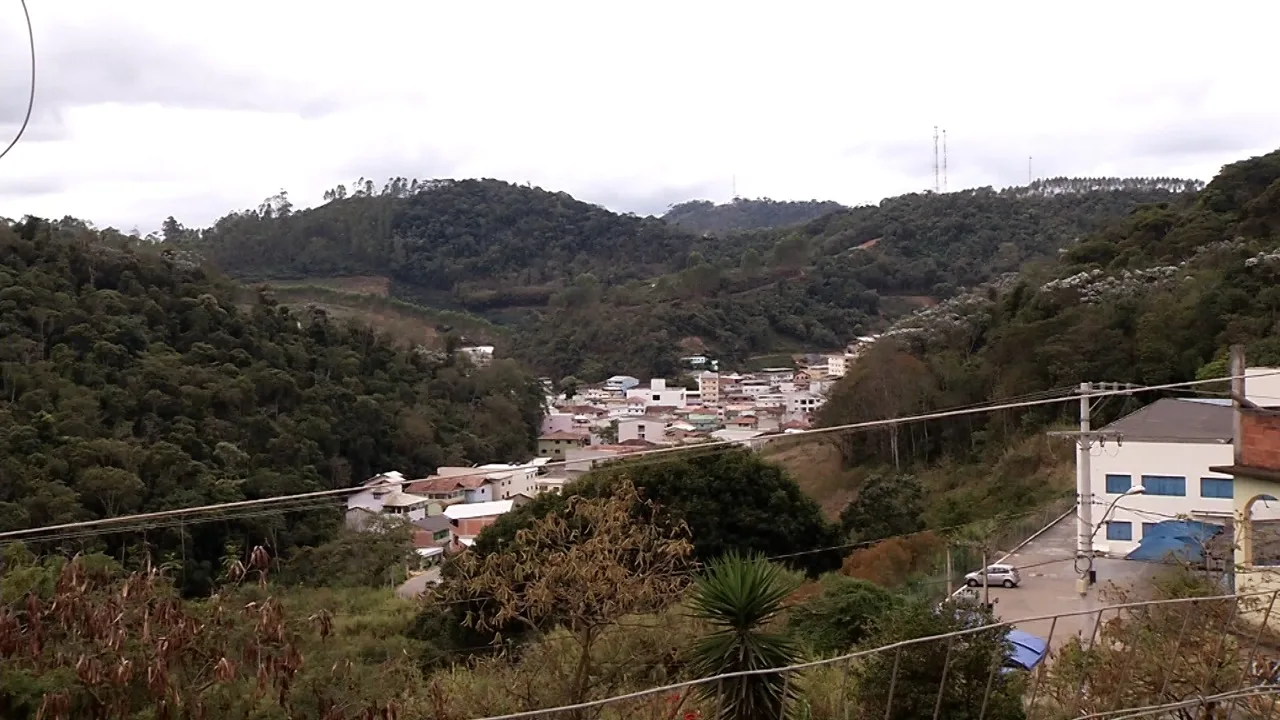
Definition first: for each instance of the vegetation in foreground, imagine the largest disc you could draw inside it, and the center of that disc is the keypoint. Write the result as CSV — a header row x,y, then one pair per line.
x,y
611,605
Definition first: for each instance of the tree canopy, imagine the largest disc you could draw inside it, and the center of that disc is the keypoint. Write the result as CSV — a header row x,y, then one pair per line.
x,y
1156,297
132,380
731,500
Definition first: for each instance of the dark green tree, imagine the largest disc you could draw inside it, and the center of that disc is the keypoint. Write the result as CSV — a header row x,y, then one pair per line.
x,y
839,618
886,505
938,678
731,500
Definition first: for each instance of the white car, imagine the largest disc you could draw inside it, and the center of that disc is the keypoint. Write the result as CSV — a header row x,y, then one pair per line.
x,y
999,574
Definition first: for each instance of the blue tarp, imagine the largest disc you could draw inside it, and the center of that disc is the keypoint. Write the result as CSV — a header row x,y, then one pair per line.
x,y
1028,650
1181,540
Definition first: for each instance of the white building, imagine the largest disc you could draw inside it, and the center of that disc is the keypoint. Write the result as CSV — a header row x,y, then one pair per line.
x,y
480,355
620,383
659,394
837,366
384,494
512,480
803,402
1166,448
654,431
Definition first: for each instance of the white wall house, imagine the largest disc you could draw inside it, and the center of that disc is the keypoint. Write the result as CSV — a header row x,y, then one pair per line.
x,y
836,366
1166,447
512,480
383,494
654,431
659,394
803,402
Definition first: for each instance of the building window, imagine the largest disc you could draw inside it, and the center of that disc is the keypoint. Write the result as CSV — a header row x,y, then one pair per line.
x,y
1118,484
1216,488
1167,485
1119,530
1147,528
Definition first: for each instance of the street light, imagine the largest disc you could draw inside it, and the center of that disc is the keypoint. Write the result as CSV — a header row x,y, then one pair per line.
x,y
1089,577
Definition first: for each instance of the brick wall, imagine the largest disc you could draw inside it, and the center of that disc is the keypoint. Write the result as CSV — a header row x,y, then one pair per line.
x,y
1260,441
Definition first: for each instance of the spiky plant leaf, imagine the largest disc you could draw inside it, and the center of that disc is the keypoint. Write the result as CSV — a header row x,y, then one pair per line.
x,y
738,596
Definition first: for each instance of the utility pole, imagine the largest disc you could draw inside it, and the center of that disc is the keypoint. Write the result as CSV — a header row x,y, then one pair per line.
x,y
1085,438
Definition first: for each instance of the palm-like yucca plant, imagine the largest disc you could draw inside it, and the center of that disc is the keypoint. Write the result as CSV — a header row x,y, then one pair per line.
x,y
738,596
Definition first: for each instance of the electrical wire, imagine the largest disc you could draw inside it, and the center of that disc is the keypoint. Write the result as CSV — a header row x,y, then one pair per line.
x,y
1002,625
31,97
656,452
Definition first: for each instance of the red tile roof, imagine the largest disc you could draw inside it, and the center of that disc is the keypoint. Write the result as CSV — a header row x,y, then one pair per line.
x,y
562,435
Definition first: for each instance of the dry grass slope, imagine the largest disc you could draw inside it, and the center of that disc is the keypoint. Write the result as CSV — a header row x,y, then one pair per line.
x,y
1029,474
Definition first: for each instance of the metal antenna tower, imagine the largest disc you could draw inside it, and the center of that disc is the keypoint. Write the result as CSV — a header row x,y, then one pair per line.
x,y
944,160
935,159
1028,171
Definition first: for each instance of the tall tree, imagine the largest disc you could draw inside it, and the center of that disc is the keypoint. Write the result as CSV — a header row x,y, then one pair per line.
x,y
583,568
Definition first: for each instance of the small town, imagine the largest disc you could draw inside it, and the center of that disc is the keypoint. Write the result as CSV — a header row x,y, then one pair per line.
x,y
443,361
594,424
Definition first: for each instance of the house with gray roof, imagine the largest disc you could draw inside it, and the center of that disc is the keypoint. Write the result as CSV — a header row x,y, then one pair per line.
x,y
1168,449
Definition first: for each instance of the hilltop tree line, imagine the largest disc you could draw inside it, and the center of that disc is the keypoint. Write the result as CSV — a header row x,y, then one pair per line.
x,y
587,292
132,381
704,216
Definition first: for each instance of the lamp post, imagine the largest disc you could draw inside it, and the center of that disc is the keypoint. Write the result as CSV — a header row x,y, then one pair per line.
x,y
1089,576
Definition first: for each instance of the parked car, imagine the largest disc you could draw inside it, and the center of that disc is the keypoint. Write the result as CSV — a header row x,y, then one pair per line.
x,y
998,574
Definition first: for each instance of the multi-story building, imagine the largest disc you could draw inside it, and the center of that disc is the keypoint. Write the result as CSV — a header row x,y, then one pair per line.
x,y
709,387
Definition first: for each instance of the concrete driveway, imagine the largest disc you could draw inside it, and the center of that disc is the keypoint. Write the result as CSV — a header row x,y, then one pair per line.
x,y
414,586
1049,584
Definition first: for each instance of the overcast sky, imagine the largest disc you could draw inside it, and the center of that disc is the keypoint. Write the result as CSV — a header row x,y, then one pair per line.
x,y
146,109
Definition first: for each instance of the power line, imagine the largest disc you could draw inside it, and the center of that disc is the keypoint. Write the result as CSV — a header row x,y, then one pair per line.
x,y
31,97
655,452
1002,625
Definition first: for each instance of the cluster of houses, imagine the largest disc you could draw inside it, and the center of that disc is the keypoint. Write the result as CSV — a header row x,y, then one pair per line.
x,y
622,415
449,508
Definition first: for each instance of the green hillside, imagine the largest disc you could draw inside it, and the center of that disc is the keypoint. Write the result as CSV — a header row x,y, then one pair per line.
x,y
588,292
704,216
133,380
1156,298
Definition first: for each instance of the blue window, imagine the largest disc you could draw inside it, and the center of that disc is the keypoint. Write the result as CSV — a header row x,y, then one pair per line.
x,y
1117,484
1216,488
1167,485
1147,528
1119,530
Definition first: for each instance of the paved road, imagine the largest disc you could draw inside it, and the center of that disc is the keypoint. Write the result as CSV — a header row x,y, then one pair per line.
x,y
414,586
1049,584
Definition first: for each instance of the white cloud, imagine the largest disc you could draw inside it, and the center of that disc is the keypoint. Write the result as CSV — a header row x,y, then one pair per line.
x,y
149,108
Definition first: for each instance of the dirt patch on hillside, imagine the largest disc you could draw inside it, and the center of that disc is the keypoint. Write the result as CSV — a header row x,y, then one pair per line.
x,y
817,467
376,285
923,301
869,244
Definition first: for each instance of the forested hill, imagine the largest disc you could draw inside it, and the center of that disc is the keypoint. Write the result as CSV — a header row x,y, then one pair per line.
x,y
1157,298
131,380
590,293
704,216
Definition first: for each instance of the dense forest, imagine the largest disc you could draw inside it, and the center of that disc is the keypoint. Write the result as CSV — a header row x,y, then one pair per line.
x,y
1154,298
704,216
132,380
590,293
